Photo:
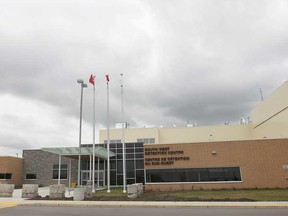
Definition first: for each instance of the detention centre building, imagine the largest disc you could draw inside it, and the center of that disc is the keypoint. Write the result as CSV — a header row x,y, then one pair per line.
x,y
249,155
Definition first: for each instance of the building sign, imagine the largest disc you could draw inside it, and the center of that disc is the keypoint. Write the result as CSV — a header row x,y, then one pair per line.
x,y
163,156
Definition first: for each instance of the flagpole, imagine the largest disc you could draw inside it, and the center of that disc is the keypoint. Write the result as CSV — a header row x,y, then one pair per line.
x,y
80,130
83,85
93,169
123,137
108,138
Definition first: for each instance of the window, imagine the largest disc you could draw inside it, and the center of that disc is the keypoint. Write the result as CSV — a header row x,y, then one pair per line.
x,y
139,164
146,140
134,163
30,176
63,173
5,176
193,175
112,142
139,175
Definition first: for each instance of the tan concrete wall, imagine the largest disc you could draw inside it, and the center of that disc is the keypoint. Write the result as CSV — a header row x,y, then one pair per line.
x,y
12,165
262,163
183,135
131,134
270,117
272,105
205,133
275,127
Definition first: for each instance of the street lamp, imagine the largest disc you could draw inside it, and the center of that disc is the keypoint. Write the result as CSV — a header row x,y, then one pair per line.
x,y
83,85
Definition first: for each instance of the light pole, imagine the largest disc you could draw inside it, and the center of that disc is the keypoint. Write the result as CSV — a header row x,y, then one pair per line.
x,y
123,136
83,85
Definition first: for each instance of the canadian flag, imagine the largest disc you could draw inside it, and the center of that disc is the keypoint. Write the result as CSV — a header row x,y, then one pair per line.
x,y
91,80
107,78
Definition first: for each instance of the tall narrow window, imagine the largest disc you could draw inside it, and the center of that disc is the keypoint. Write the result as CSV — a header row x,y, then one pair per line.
x,y
63,173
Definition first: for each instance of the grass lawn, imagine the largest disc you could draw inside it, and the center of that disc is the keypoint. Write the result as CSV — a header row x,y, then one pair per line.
x,y
201,195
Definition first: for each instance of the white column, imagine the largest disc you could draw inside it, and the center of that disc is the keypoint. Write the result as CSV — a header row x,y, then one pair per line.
x,y
70,169
104,176
98,167
90,167
59,171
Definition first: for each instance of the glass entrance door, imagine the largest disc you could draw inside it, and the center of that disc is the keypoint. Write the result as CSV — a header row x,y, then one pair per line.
x,y
85,177
101,178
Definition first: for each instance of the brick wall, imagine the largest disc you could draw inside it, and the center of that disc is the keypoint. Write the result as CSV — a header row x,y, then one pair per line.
x,y
41,163
14,166
263,163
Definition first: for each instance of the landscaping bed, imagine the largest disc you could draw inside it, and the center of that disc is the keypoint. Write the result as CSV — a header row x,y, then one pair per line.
x,y
202,195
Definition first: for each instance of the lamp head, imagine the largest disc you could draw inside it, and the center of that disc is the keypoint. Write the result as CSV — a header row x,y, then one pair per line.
x,y
80,81
84,85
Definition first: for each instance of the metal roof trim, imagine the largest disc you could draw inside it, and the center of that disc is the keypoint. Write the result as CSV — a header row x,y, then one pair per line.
x,y
100,152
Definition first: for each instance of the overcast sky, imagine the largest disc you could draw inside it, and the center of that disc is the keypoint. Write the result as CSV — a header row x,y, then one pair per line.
x,y
197,61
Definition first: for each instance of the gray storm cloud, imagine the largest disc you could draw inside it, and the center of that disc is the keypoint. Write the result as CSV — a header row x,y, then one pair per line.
x,y
199,61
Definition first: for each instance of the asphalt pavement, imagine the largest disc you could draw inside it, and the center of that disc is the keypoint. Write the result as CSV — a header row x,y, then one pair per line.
x,y
140,211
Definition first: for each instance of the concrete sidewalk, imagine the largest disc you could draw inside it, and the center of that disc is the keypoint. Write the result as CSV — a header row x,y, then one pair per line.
x,y
156,204
16,198
43,191
145,204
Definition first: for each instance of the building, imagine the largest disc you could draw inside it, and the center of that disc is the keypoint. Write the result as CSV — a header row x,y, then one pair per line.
x,y
217,165
42,167
49,166
11,170
248,155
50,160
252,154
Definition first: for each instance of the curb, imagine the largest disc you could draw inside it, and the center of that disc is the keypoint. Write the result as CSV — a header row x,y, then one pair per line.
x,y
150,204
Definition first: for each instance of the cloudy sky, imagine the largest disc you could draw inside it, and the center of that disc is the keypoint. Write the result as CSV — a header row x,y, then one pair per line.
x,y
197,61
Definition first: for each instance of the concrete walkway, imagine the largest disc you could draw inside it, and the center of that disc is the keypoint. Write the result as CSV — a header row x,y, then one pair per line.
x,y
43,191
16,199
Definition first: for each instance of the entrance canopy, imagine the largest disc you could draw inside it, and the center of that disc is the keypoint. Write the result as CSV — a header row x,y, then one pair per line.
x,y
100,152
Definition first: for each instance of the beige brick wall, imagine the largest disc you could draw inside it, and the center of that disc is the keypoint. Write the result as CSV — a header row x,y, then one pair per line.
x,y
12,165
262,163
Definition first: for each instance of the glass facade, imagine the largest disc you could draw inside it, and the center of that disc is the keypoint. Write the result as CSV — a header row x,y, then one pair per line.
x,y
134,163
193,175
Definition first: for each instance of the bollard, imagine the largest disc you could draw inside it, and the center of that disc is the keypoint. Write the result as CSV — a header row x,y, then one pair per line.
x,y
6,190
132,191
79,194
57,191
30,190
87,192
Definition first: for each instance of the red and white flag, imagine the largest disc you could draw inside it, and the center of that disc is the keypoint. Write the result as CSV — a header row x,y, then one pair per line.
x,y
107,78
91,80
